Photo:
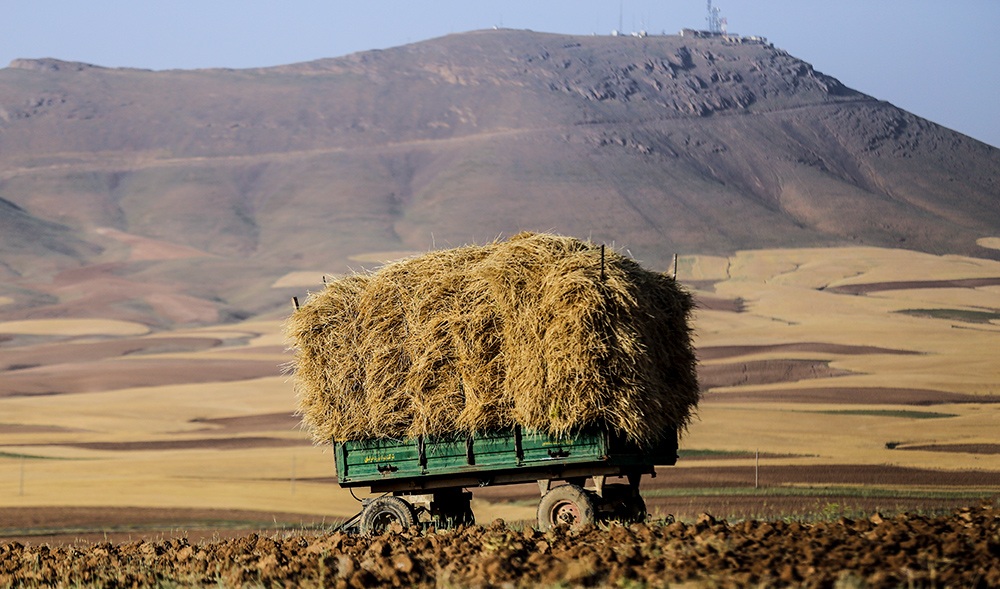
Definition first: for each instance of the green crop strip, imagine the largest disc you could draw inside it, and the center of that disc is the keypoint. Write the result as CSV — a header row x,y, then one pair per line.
x,y
954,315
15,455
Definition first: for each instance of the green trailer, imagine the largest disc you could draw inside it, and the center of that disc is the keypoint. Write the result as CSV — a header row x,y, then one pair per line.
x,y
424,480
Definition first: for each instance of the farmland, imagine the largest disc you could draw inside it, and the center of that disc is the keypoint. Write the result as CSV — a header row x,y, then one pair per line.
x,y
825,396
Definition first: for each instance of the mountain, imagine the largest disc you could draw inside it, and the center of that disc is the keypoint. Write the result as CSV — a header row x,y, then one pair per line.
x,y
173,197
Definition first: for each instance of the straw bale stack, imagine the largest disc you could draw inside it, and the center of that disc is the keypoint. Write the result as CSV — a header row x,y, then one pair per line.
x,y
525,331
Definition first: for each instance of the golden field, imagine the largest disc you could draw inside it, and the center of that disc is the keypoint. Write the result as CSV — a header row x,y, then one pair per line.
x,y
833,358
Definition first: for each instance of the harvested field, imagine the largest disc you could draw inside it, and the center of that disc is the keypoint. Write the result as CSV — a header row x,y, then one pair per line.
x,y
92,351
131,373
73,327
240,443
960,548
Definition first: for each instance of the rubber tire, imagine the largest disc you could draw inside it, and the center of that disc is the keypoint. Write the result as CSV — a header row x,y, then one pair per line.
x,y
380,514
566,504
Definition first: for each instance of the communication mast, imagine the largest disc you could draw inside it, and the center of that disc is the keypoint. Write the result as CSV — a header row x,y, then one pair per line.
x,y
716,24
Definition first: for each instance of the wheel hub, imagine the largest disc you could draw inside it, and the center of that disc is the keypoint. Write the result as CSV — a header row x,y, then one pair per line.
x,y
566,512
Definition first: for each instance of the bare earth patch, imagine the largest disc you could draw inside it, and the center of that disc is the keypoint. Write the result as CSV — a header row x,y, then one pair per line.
x,y
850,396
861,289
720,352
757,372
253,423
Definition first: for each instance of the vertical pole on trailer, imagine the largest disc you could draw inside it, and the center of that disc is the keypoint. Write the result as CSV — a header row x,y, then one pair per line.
x,y
602,262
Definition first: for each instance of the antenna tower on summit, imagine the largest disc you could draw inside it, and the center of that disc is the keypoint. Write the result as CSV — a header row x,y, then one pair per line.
x,y
716,23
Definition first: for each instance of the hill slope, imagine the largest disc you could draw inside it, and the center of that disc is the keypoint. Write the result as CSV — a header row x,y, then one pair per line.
x,y
181,196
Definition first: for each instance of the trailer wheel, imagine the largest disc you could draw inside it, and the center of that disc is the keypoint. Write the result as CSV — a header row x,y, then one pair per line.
x,y
567,504
380,514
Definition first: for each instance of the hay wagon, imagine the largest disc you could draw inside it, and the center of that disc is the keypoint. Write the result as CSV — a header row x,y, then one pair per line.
x,y
568,362
425,479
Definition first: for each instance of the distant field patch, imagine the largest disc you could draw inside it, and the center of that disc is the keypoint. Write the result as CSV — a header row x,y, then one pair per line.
x,y
5,301
300,279
73,327
962,315
19,456
962,448
707,454
719,352
989,242
692,453
861,289
900,413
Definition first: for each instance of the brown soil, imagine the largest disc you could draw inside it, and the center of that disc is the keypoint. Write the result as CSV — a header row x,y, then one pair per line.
x,y
764,372
961,548
859,289
268,422
850,396
772,476
843,474
719,352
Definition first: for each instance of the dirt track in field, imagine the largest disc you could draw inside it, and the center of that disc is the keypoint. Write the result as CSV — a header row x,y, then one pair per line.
x,y
958,549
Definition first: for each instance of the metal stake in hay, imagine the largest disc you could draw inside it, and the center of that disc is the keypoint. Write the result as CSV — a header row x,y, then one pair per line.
x,y
535,331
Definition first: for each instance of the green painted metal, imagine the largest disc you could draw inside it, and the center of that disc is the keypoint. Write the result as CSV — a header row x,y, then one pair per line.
x,y
360,462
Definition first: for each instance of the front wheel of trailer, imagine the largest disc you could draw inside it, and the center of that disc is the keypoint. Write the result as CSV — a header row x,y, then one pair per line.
x,y
568,504
379,515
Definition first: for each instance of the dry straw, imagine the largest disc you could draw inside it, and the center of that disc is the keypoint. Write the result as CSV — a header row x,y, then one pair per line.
x,y
541,330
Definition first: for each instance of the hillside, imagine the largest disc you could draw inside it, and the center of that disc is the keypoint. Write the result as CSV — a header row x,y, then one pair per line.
x,y
182,197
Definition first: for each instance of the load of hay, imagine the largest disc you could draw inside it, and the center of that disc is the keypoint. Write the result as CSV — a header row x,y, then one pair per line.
x,y
544,331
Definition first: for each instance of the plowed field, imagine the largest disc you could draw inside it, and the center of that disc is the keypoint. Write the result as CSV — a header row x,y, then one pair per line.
x,y
961,549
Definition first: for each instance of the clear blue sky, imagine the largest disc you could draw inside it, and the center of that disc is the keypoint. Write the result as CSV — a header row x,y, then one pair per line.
x,y
937,59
